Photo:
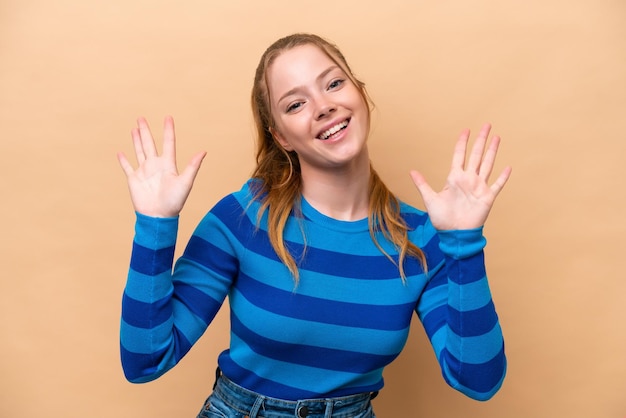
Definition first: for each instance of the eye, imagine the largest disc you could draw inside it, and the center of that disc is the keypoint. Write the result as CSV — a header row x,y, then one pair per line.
x,y
294,106
336,83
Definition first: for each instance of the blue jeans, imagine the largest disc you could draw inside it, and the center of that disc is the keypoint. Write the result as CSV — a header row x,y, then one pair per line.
x,y
230,400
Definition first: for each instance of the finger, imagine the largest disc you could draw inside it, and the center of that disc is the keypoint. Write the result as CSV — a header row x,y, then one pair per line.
x,y
147,142
126,167
478,149
192,168
498,185
422,185
458,156
489,160
169,139
139,154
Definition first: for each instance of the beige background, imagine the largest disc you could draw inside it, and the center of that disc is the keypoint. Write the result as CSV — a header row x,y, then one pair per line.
x,y
550,75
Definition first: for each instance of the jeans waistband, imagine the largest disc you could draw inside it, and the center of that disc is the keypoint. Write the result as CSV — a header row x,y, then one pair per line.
x,y
254,404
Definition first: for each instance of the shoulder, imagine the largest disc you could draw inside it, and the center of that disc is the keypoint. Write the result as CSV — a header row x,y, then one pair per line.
x,y
233,212
241,203
241,199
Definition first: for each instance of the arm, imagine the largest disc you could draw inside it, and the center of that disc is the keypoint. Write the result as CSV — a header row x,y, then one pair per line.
x,y
163,312
152,340
456,307
460,319
147,332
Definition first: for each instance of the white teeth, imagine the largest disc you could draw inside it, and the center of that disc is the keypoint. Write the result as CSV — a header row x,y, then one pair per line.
x,y
333,130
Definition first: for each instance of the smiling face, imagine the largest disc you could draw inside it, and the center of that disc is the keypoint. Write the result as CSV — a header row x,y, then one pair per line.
x,y
317,110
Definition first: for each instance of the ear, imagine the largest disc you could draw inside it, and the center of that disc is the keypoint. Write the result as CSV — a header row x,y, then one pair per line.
x,y
281,140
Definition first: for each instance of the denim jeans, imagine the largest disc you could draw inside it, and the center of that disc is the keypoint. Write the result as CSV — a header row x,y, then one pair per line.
x,y
229,400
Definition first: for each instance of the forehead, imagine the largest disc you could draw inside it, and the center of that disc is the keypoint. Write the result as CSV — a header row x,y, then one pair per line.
x,y
297,66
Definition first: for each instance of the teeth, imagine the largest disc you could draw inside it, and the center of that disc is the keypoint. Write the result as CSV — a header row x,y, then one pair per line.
x,y
333,130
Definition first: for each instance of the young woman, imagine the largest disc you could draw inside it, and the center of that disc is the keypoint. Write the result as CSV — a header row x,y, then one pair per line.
x,y
322,265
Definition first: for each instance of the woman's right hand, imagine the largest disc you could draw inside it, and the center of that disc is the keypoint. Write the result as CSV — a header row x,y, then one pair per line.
x,y
156,187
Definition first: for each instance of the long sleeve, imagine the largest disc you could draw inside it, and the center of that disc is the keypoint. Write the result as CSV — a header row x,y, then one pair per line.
x,y
460,319
164,312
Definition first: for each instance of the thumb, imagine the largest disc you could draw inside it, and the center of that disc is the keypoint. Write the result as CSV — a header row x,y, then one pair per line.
x,y
421,184
193,167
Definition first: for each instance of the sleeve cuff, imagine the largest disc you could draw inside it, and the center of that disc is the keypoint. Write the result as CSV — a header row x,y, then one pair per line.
x,y
464,243
155,233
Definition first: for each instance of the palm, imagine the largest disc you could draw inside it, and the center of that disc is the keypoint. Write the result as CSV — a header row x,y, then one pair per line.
x,y
156,187
467,198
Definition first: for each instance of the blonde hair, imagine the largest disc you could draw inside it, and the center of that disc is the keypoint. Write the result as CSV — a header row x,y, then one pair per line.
x,y
279,190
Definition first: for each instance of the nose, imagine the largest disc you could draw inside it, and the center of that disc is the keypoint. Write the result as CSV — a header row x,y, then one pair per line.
x,y
324,108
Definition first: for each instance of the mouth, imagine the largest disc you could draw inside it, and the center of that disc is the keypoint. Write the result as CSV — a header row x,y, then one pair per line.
x,y
329,133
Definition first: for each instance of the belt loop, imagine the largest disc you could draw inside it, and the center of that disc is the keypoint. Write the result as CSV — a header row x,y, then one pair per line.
x,y
329,408
258,403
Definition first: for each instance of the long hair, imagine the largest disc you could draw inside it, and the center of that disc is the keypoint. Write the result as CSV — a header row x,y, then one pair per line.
x,y
280,185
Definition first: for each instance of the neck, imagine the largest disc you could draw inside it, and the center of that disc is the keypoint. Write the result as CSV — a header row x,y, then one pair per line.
x,y
342,194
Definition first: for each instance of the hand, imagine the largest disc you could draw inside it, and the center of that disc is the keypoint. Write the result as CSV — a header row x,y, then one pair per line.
x,y
467,198
156,188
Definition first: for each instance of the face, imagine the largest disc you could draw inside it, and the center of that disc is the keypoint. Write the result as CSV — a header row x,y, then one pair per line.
x,y
317,111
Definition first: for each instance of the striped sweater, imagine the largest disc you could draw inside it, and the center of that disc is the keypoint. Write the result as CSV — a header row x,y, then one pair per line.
x,y
333,333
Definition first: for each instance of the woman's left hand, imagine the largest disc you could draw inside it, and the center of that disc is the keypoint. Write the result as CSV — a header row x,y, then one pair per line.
x,y
467,198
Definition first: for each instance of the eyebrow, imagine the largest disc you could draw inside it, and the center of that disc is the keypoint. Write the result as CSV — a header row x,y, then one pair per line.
x,y
319,77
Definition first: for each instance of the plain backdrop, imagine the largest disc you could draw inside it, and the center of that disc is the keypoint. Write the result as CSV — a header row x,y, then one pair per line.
x,y
550,75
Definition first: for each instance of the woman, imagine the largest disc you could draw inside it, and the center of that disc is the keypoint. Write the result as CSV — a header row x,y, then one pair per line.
x,y
322,265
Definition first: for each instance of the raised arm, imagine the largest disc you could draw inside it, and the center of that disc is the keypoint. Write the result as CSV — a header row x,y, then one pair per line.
x,y
460,318
157,328
456,308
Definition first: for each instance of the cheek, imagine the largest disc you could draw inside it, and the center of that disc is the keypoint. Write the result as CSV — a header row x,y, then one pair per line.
x,y
295,127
